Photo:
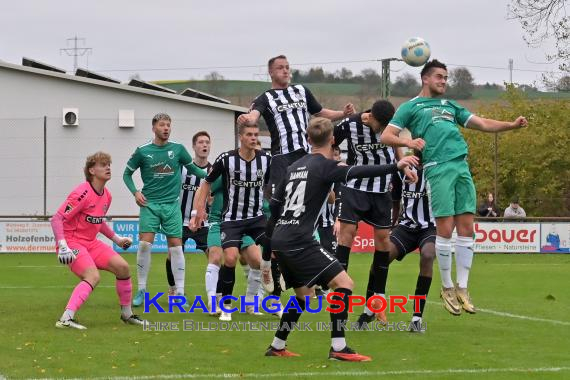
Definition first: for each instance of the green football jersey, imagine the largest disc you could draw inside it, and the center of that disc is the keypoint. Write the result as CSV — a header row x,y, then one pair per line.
x,y
435,120
160,168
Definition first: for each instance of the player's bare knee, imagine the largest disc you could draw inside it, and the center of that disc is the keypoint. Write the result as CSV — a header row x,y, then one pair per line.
x,y
92,277
382,245
342,280
230,259
428,257
122,270
347,234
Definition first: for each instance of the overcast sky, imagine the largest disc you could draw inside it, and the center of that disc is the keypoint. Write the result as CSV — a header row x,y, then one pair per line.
x,y
197,37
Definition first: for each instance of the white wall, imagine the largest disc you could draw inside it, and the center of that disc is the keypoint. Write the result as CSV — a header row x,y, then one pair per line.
x,y
26,97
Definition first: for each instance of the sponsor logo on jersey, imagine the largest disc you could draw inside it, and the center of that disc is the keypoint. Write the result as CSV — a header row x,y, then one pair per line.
x,y
413,194
249,184
439,114
369,147
162,169
68,208
295,105
94,219
189,187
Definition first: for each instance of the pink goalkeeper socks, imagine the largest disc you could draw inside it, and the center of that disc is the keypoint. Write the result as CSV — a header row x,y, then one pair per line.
x,y
79,295
124,291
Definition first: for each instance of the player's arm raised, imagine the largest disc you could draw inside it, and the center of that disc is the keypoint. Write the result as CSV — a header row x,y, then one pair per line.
x,y
391,136
490,125
315,108
259,105
336,115
249,119
344,173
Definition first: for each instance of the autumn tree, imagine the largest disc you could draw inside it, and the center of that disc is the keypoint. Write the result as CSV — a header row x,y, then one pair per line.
x,y
533,162
544,22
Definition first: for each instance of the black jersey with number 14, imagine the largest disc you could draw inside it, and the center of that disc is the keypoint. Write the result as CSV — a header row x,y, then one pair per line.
x,y
298,200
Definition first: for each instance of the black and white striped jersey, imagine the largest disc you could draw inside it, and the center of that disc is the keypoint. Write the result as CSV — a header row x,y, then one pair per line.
x,y
190,184
328,212
364,148
416,209
286,113
243,183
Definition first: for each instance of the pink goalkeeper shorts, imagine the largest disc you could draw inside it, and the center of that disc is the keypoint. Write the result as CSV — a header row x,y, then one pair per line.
x,y
92,254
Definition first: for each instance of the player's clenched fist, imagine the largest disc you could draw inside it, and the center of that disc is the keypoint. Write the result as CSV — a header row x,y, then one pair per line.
x,y
123,241
65,255
407,161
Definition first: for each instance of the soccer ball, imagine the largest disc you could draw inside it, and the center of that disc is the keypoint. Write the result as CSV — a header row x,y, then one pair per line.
x,y
415,51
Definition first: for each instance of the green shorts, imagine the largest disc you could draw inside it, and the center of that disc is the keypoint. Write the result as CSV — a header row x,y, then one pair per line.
x,y
165,218
214,239
450,188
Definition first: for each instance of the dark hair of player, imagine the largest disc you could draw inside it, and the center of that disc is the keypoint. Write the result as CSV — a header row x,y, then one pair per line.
x,y
383,111
320,131
433,64
199,134
271,60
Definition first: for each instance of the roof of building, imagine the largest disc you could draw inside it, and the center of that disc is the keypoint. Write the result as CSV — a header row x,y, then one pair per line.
x,y
121,87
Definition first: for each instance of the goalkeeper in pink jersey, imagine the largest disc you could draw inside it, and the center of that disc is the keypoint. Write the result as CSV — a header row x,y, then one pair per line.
x,y
75,226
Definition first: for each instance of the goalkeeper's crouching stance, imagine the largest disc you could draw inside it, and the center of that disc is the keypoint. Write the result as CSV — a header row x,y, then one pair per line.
x,y
75,225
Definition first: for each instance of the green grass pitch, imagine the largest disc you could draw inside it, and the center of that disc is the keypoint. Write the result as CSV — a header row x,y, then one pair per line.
x,y
522,331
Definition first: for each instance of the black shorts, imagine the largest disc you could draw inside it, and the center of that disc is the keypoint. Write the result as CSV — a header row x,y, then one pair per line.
x,y
373,208
233,231
279,165
308,266
408,239
328,240
200,237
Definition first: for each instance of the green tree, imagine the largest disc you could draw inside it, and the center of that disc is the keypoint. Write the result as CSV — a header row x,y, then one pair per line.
x,y
315,75
461,83
344,74
405,85
533,163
